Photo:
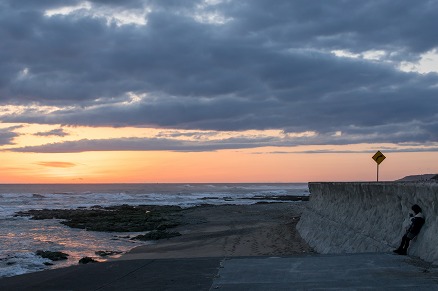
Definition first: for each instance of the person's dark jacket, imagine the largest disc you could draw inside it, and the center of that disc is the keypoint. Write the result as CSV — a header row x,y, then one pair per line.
x,y
417,223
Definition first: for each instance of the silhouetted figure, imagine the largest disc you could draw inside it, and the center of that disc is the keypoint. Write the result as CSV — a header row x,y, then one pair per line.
x,y
413,230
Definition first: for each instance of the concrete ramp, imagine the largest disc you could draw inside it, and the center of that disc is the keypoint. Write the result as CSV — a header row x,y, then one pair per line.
x,y
327,272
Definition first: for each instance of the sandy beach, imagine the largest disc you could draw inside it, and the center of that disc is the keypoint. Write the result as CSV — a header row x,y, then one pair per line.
x,y
231,231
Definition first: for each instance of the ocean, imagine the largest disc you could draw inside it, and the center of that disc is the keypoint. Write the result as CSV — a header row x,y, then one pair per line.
x,y
21,237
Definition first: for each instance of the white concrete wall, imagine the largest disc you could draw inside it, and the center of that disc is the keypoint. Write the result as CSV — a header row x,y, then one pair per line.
x,y
370,217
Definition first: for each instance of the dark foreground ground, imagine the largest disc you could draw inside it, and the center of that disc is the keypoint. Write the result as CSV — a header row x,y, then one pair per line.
x,y
308,272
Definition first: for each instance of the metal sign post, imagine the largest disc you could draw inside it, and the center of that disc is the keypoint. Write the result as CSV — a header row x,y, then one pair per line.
x,y
377,172
378,157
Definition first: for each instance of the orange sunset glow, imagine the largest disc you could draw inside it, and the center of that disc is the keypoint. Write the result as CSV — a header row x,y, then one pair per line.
x,y
264,164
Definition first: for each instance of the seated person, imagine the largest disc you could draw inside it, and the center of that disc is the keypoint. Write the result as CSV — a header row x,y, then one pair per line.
x,y
412,231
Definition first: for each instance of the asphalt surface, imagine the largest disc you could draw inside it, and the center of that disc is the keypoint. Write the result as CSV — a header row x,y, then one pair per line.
x,y
375,271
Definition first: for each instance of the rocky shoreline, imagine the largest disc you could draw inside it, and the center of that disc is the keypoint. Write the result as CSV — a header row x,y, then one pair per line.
x,y
123,218
153,220
128,218
158,222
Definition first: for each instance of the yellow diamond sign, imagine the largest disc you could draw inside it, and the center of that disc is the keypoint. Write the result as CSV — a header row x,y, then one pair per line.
x,y
378,157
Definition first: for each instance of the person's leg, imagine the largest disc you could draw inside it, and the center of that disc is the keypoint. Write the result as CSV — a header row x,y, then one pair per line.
x,y
405,245
402,246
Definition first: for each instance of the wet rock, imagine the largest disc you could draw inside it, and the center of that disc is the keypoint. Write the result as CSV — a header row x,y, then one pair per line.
x,y
53,256
156,235
96,207
166,225
280,198
122,218
107,253
37,196
86,260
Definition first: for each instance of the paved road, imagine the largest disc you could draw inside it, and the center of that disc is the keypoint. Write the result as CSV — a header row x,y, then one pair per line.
x,y
312,272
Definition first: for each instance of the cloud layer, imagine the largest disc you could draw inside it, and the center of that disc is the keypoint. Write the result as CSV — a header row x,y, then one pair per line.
x,y
7,135
320,66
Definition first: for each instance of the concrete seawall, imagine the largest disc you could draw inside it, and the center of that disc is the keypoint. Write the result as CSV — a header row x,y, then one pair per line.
x,y
369,217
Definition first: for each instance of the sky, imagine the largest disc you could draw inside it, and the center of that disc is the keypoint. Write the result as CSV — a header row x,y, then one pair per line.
x,y
217,90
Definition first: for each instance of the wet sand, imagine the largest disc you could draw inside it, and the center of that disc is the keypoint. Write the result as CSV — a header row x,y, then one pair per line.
x,y
231,231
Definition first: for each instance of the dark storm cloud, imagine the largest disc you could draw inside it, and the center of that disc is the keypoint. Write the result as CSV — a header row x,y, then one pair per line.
x,y
7,135
268,66
400,27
